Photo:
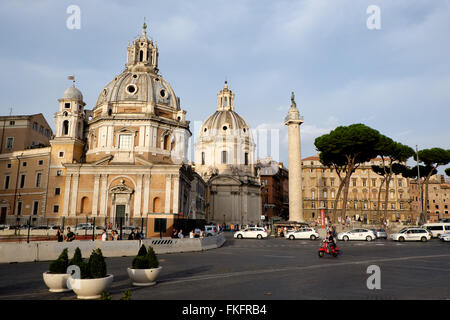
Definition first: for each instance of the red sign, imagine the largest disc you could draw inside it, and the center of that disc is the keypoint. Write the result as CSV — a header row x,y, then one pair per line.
x,y
322,218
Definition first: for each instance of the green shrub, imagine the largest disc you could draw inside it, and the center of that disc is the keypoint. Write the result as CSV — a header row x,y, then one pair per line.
x,y
142,251
147,261
153,260
60,265
77,259
97,265
105,296
126,295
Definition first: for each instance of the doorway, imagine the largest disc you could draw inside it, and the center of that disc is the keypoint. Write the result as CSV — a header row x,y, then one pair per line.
x,y
120,213
3,215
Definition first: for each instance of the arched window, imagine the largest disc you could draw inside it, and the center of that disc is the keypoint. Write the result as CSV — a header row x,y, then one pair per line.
x,y
84,208
166,142
156,205
141,55
66,127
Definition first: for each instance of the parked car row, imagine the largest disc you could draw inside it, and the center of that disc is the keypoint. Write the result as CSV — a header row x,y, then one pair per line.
x,y
423,234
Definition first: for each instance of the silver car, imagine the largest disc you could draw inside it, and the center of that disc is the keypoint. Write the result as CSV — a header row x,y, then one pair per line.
x,y
380,233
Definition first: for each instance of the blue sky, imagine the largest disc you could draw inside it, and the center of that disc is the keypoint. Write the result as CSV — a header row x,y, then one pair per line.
x,y
396,79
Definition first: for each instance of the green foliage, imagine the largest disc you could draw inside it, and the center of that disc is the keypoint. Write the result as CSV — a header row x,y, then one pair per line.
x,y
142,251
434,157
60,265
148,261
77,258
97,265
105,296
126,295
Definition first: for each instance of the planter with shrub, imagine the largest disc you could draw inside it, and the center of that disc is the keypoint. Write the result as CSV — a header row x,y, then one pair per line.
x,y
92,279
145,268
56,277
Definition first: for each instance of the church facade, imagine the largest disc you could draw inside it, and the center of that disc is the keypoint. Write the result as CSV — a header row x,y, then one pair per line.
x,y
122,160
225,158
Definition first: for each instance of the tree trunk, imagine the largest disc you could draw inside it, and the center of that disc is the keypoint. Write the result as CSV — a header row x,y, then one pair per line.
x,y
386,196
346,187
338,194
379,200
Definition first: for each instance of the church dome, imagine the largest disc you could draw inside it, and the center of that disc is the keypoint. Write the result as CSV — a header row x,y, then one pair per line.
x,y
72,93
225,120
140,83
140,87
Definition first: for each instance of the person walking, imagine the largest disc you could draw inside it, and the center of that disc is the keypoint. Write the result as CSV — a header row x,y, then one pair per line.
x,y
132,235
70,235
59,235
180,234
104,235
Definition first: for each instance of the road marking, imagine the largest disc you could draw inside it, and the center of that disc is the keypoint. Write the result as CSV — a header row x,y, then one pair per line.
x,y
288,257
312,267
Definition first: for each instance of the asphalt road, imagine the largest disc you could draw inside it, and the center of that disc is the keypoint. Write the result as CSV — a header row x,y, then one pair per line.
x,y
269,269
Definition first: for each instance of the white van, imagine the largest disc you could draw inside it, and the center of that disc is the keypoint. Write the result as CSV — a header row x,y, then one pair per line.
x,y
437,228
211,230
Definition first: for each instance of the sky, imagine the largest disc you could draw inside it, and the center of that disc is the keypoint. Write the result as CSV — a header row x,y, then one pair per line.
x,y
395,79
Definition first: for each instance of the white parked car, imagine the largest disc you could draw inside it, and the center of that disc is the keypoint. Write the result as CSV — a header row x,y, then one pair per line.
x,y
437,228
411,234
445,237
302,233
252,232
357,234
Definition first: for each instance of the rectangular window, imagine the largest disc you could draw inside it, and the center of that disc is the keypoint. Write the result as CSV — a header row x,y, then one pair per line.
x,y
7,178
354,182
35,126
364,182
41,130
55,209
67,105
224,157
61,154
374,182
22,181
8,165
19,208
57,191
38,179
9,143
58,173
246,159
399,182
203,158
332,182
35,207
125,141
24,164
11,123
160,225
40,162
313,204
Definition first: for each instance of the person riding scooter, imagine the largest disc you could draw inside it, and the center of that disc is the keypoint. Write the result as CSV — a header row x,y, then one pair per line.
x,y
330,241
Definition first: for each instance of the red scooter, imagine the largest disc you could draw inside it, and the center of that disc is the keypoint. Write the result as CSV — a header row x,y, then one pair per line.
x,y
324,249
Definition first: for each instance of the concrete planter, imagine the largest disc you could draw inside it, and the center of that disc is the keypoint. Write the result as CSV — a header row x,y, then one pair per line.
x,y
90,288
56,282
143,277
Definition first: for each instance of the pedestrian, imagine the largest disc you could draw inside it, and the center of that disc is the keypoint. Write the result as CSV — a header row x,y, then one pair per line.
x,y
174,234
132,235
115,235
109,225
180,234
191,234
104,235
70,235
139,235
59,235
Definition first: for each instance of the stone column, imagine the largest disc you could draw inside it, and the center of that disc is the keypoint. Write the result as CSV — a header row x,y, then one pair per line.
x,y
138,197
168,189
74,192
67,195
146,194
103,195
293,121
95,196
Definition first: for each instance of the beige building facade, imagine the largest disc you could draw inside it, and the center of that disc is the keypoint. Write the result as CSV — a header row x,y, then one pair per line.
x,y
121,161
320,187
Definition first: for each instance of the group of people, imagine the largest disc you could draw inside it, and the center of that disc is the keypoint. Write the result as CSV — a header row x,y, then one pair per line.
x,y
69,236
135,234
197,233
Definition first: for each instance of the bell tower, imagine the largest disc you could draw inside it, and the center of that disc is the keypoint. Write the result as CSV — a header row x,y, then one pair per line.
x,y
225,99
70,125
142,54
